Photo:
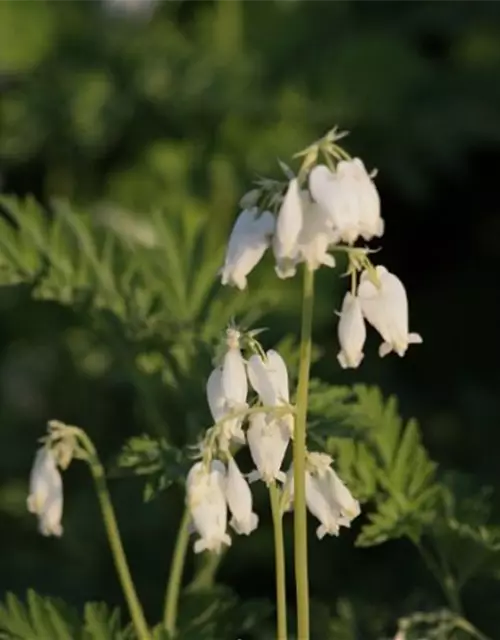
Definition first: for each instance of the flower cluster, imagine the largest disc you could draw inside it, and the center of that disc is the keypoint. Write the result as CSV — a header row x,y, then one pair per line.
x,y
215,484
323,209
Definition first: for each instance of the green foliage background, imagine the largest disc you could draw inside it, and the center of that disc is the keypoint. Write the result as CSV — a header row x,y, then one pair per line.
x,y
135,137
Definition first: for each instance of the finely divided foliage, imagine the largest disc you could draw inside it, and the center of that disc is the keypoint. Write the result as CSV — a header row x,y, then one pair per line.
x,y
151,288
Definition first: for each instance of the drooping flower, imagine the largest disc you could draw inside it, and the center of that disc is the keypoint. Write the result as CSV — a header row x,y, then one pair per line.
x,y
350,199
288,228
352,333
385,307
250,237
334,193
267,441
269,378
46,493
234,377
327,497
316,236
206,500
220,407
239,500
371,223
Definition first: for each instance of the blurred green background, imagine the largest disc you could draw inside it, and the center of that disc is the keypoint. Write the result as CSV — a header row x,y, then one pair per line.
x,y
176,106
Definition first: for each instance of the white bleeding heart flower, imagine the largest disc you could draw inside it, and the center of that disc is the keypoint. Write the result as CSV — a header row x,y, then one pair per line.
x,y
269,378
327,498
220,407
316,236
268,442
334,193
385,306
206,499
234,377
352,333
239,500
46,493
371,223
350,199
250,237
288,223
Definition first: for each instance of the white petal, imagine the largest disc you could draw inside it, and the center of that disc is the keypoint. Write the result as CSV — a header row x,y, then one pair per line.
x,y
249,240
370,222
46,493
234,378
215,395
207,504
239,500
349,506
289,223
352,332
267,443
386,308
261,381
269,378
279,375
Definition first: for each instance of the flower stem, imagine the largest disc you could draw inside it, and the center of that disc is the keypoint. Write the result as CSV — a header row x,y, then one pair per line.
x,y
279,555
175,575
113,533
299,460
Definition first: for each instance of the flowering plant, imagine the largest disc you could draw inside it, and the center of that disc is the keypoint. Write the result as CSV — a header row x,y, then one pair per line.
x,y
326,211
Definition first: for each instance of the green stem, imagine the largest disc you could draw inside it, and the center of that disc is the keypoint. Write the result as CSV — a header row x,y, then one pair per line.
x,y
279,555
175,575
299,460
111,526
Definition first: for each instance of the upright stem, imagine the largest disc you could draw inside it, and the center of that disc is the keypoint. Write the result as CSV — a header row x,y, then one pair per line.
x,y
299,461
111,526
175,575
279,556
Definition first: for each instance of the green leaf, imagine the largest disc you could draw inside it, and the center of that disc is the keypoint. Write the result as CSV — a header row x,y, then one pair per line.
x,y
154,458
381,459
39,618
103,623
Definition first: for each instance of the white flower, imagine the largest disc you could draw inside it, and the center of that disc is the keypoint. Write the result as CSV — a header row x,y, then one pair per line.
x,y
334,193
46,493
269,378
327,498
206,500
370,221
249,240
316,236
288,227
352,333
349,197
239,500
386,308
220,407
234,377
267,442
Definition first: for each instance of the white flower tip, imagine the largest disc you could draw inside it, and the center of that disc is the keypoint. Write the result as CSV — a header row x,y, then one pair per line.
x,y
386,348
415,338
323,530
214,544
51,529
247,526
347,362
285,269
